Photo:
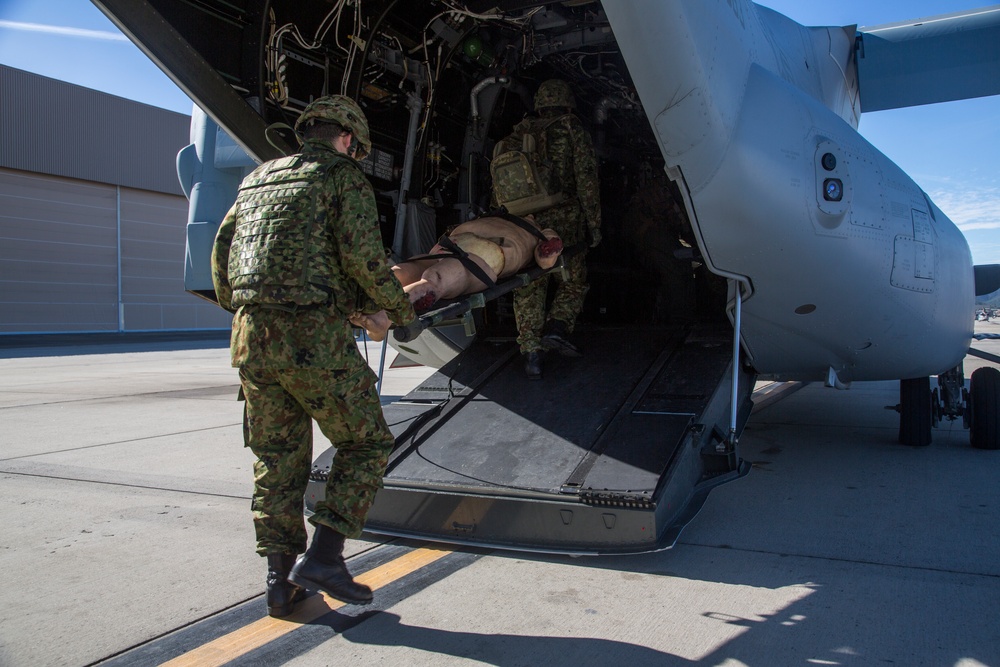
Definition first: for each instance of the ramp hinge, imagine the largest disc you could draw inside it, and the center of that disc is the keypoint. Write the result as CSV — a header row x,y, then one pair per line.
x,y
616,499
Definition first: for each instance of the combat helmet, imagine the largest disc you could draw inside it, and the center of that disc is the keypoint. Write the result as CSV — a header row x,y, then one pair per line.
x,y
343,111
554,93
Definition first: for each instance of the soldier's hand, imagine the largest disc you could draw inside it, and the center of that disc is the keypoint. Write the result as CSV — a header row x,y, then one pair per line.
x,y
376,325
593,236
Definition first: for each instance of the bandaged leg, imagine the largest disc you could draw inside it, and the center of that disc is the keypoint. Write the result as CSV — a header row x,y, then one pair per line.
x,y
547,252
446,279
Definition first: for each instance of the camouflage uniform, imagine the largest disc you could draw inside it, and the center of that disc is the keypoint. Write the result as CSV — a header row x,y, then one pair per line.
x,y
292,342
574,169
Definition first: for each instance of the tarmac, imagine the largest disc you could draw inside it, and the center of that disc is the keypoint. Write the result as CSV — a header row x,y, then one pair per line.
x,y
127,540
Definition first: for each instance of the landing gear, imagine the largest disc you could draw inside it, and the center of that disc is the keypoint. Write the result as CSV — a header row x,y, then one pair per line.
x,y
984,417
953,400
921,409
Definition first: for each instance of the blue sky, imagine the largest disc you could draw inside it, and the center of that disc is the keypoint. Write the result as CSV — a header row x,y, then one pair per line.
x,y
949,149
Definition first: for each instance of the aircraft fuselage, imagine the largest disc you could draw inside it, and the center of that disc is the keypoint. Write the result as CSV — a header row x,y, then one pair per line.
x,y
846,263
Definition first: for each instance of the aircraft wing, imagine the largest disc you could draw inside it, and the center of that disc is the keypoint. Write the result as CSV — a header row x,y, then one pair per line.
x,y
938,59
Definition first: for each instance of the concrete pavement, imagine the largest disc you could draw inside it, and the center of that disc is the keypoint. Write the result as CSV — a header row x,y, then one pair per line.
x,y
124,496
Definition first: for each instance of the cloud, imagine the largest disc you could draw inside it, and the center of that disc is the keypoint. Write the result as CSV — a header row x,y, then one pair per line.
x,y
969,207
65,32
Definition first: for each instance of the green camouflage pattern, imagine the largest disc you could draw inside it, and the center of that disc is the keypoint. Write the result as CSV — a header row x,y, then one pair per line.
x,y
280,407
318,337
574,166
527,181
344,112
574,170
515,178
299,363
281,250
554,93
529,303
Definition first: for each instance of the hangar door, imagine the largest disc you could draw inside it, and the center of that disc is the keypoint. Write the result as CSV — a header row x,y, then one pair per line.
x,y
78,256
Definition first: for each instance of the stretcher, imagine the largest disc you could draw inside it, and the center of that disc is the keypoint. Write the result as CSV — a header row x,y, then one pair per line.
x,y
461,309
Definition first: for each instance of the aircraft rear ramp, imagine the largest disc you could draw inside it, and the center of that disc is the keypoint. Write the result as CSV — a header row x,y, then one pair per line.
x,y
610,453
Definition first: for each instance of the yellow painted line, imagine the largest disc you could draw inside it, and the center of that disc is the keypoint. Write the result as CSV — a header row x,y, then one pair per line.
x,y
259,633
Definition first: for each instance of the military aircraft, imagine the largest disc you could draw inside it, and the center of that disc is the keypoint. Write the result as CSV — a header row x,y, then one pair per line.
x,y
750,232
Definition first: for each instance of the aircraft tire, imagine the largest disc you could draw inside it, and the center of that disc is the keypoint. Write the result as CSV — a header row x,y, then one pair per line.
x,y
984,402
915,414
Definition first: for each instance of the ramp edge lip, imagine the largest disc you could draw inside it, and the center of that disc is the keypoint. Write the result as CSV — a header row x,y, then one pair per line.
x,y
667,540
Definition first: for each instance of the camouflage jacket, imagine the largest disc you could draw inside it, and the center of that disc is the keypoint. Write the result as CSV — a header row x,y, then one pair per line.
x,y
317,337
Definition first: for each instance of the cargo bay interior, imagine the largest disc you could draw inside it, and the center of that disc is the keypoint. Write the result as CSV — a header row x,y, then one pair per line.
x,y
482,457
436,65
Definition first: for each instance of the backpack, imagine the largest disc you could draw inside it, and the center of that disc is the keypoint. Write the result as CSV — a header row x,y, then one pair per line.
x,y
523,178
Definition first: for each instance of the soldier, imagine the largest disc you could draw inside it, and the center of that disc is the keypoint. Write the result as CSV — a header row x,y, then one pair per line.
x,y
298,255
572,169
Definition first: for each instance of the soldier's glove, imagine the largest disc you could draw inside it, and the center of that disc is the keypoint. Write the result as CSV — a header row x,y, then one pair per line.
x,y
593,236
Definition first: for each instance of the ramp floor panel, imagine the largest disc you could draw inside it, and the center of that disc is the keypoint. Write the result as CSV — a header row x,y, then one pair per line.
x,y
531,435
607,454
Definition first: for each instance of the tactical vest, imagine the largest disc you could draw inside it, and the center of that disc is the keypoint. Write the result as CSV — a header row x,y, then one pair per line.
x,y
524,178
282,251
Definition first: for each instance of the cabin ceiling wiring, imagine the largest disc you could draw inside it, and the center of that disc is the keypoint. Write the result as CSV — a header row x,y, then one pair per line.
x,y
461,12
276,57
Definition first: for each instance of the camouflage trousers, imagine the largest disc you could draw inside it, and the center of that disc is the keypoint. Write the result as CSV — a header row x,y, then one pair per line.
x,y
277,427
529,302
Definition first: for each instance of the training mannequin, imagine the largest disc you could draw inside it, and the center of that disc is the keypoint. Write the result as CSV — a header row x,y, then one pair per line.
x,y
497,246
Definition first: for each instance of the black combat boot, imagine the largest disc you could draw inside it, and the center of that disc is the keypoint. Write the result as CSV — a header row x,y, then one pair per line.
x,y
556,338
533,365
281,595
322,568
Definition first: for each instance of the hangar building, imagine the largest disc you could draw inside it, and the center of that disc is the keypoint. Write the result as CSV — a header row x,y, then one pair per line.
x,y
92,217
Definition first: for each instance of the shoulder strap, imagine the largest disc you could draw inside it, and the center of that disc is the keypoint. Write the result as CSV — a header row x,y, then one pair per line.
x,y
336,160
466,261
522,223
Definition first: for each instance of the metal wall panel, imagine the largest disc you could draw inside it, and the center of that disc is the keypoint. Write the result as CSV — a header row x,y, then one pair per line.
x,y
58,254
152,247
59,267
106,139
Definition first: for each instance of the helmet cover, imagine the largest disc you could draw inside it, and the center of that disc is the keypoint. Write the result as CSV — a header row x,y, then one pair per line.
x,y
343,111
554,93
